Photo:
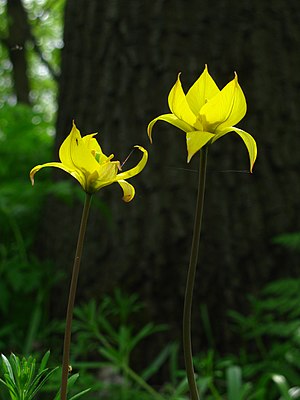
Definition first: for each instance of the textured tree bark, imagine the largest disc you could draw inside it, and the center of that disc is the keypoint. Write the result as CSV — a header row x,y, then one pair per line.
x,y
18,34
119,62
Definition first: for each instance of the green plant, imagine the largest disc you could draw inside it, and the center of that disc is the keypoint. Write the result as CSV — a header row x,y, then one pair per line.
x,y
271,337
22,275
289,240
286,392
205,114
24,380
107,328
83,159
107,331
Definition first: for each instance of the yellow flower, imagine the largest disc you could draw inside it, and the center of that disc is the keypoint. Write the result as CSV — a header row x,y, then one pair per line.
x,y
83,158
206,113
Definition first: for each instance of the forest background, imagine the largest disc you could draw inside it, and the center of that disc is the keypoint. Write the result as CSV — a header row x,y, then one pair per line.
x,y
109,66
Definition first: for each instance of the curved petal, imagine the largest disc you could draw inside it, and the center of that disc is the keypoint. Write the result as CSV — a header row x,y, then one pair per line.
x,y
225,109
178,104
74,153
202,90
128,191
250,143
248,140
195,140
171,119
75,173
137,169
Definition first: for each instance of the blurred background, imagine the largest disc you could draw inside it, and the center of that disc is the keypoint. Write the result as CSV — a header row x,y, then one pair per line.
x,y
109,66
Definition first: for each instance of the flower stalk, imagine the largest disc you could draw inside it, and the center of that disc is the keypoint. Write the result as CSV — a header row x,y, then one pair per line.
x,y
205,113
72,294
188,299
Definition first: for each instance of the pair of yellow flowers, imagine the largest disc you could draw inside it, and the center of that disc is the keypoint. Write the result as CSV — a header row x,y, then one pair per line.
x,y
205,114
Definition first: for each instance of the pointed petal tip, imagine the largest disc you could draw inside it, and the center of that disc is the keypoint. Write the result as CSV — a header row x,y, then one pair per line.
x,y
251,167
31,175
149,133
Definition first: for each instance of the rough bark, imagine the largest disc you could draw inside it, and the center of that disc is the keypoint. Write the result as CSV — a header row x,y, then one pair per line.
x,y
119,62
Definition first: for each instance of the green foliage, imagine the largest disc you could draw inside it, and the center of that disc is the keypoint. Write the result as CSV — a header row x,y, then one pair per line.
x,y
286,392
42,54
106,333
23,131
267,367
19,140
289,240
108,330
23,380
25,282
271,335
22,277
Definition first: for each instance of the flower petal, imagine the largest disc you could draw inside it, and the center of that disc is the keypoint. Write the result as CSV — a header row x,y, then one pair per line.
x,y
128,191
77,174
93,146
137,169
195,140
202,90
250,143
91,143
74,153
65,150
179,106
248,140
225,109
104,176
171,119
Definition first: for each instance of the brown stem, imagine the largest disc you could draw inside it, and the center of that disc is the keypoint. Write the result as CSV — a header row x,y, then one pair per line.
x,y
188,300
72,293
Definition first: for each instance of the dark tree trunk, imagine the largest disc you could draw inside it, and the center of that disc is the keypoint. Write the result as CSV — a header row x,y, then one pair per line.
x,y
119,62
18,34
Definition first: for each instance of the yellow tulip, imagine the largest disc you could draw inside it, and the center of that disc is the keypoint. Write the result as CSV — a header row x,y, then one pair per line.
x,y
207,113
83,158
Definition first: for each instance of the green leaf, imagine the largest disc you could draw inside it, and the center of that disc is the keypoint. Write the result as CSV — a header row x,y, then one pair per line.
x,y
76,396
44,361
8,367
43,381
234,382
157,362
282,386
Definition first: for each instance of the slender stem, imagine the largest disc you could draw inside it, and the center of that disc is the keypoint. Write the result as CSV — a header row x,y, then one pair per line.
x,y
188,299
72,293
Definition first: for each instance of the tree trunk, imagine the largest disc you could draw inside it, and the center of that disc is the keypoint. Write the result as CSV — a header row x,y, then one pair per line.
x,y
119,62
18,34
